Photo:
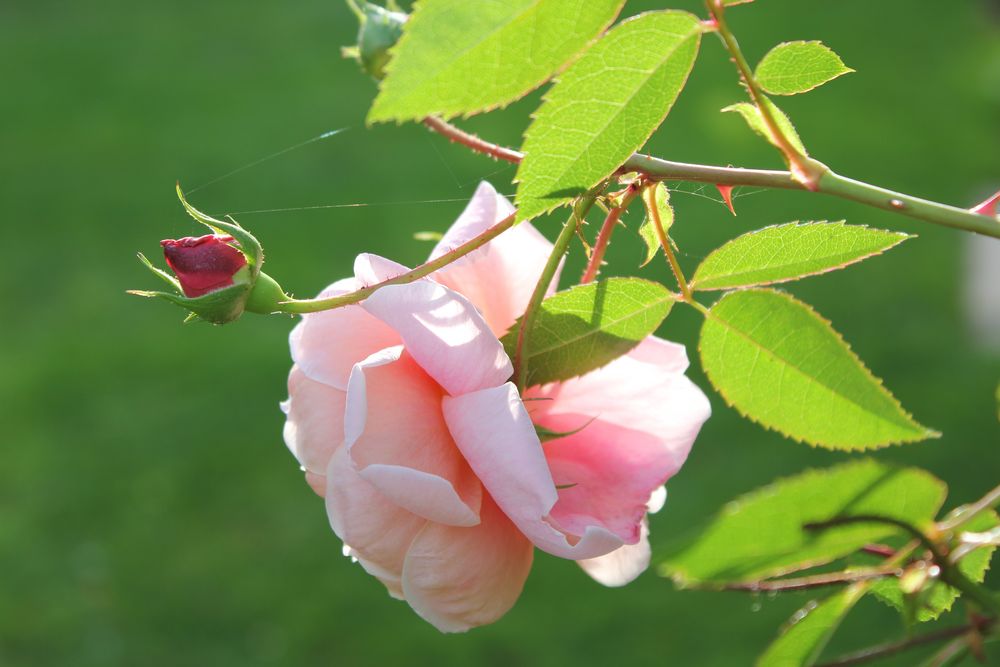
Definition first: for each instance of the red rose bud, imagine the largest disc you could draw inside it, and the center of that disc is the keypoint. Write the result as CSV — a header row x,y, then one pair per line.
x,y
218,275
204,264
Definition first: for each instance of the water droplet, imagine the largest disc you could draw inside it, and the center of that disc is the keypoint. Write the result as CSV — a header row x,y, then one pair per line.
x,y
897,204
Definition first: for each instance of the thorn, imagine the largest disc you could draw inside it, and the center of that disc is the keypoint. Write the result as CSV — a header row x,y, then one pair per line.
x,y
727,195
988,207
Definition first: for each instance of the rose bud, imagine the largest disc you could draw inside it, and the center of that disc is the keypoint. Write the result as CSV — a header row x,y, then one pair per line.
x,y
379,30
218,275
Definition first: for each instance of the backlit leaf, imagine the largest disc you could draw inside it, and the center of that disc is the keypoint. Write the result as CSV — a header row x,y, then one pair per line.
x,y
797,67
588,326
755,120
460,57
604,107
782,365
788,252
803,638
760,534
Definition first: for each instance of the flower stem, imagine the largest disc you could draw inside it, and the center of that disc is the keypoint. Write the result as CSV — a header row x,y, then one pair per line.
x,y
964,514
649,198
604,237
813,581
316,305
830,183
580,209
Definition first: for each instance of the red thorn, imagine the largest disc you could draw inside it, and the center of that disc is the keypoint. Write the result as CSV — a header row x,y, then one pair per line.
x,y
988,207
727,195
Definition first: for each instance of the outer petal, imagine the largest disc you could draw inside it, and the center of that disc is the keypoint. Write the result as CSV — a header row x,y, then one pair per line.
x,y
497,438
444,333
642,391
638,424
459,578
622,565
398,441
499,277
326,345
314,428
370,269
377,530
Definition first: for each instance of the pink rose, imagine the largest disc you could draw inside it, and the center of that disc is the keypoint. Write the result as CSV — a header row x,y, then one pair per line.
x,y
402,416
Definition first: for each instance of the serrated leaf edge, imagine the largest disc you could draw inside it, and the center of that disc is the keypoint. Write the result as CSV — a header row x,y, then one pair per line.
x,y
901,236
928,432
545,98
370,119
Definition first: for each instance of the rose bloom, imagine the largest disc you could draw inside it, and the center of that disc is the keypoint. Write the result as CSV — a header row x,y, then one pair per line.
x,y
403,418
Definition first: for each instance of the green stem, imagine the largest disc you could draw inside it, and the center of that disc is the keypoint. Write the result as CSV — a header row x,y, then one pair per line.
x,y
830,183
805,170
991,499
914,207
649,198
580,209
298,306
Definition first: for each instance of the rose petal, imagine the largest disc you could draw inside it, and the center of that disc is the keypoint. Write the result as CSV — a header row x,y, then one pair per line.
x,y
636,394
444,333
636,424
378,531
622,565
326,345
460,578
398,440
370,269
499,277
497,438
314,427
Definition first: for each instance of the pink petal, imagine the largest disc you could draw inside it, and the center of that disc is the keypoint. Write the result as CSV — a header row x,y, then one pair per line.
x,y
513,260
314,427
460,578
643,391
444,333
370,269
622,565
398,441
377,531
326,345
497,438
638,424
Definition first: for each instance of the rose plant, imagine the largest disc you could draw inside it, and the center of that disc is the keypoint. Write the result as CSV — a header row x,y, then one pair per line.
x,y
456,415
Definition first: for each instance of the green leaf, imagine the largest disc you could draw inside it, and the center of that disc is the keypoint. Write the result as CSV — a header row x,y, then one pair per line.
x,y
646,230
604,107
461,57
588,326
782,365
939,597
797,67
789,252
760,534
806,634
752,116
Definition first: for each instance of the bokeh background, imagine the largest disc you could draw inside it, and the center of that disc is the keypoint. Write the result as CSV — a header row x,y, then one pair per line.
x,y
149,512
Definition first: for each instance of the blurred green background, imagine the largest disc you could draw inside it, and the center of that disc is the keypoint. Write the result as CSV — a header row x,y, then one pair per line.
x,y
150,513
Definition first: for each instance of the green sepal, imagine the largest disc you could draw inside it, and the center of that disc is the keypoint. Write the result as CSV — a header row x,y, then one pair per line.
x,y
160,273
218,307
